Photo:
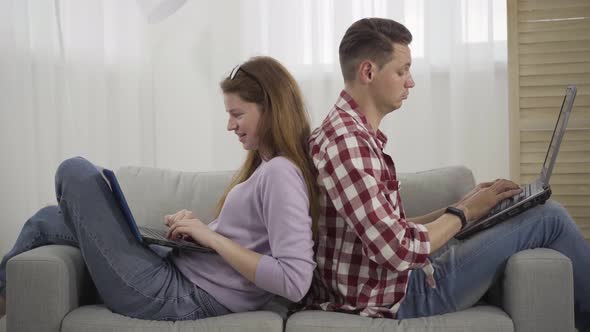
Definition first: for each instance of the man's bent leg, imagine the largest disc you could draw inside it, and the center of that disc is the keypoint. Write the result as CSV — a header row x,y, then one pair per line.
x,y
465,270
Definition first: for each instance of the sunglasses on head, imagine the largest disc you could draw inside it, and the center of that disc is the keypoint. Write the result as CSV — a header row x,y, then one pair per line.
x,y
239,68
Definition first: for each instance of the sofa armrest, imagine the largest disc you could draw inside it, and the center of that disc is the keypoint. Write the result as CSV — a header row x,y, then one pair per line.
x,y
538,291
43,285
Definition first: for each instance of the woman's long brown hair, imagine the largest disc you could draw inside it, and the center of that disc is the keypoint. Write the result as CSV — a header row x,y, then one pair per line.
x,y
284,126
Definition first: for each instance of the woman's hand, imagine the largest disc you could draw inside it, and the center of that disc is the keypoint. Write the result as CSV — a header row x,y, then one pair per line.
x,y
170,219
191,229
485,196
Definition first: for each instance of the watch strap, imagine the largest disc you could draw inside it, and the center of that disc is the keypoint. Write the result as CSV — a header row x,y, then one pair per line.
x,y
459,213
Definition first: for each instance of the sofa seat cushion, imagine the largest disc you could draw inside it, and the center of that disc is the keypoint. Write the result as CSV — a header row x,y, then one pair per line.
x,y
479,318
94,318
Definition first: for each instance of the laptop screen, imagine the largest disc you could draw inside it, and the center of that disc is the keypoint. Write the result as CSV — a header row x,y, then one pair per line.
x,y
120,198
558,133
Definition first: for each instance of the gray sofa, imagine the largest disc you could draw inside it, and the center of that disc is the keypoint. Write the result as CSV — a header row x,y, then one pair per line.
x,y
49,288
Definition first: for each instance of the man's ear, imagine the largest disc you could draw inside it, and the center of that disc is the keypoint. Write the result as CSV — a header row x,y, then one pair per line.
x,y
366,71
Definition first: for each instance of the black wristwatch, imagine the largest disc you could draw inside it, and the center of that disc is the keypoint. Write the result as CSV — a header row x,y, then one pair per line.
x,y
459,213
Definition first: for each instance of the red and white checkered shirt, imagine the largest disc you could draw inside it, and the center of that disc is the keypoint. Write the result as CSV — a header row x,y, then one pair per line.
x,y
365,247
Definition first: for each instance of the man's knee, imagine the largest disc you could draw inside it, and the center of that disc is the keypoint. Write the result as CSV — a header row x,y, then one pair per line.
x,y
557,215
553,208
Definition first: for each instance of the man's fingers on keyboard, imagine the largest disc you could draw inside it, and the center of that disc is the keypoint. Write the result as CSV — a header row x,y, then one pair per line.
x,y
516,189
509,193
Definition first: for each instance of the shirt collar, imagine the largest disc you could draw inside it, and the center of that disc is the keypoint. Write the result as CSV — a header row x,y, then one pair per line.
x,y
347,104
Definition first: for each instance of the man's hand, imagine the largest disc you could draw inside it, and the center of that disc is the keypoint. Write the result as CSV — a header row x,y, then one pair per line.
x,y
478,202
475,191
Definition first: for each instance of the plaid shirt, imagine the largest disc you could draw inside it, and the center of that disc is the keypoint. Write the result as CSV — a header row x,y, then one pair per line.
x,y
365,247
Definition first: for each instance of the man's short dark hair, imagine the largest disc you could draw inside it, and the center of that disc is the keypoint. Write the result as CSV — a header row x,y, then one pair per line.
x,y
370,38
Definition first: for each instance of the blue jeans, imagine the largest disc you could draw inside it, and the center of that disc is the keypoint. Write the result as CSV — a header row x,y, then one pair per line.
x,y
466,269
132,279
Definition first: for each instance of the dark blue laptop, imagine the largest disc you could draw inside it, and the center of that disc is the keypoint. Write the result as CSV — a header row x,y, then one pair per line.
x,y
145,234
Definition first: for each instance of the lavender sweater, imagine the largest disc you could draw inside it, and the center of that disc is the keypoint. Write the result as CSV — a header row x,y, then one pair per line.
x,y
268,214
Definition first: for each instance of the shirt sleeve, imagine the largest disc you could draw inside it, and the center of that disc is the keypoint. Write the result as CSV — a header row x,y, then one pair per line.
x,y
348,173
285,203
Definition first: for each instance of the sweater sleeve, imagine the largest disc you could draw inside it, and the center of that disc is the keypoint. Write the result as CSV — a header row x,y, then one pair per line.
x,y
285,208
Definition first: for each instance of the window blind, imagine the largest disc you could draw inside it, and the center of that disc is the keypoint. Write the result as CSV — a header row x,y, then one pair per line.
x,y
548,49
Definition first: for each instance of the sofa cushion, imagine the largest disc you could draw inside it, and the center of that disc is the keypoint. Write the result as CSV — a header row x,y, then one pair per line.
x,y
96,318
480,318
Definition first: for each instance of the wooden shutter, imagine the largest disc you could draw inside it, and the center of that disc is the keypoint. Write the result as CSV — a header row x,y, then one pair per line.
x,y
549,48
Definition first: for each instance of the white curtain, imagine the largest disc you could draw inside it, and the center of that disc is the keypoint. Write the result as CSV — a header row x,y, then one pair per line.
x,y
135,82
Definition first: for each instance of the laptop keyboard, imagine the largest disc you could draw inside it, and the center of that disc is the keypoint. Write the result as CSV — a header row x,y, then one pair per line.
x,y
527,191
154,233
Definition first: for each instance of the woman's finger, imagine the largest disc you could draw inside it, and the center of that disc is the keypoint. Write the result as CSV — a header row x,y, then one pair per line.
x,y
182,214
179,215
172,228
181,223
180,232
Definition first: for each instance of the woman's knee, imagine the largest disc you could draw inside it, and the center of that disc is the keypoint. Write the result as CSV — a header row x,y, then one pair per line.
x,y
73,171
71,167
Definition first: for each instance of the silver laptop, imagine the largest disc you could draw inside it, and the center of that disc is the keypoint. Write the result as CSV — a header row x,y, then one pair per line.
x,y
535,193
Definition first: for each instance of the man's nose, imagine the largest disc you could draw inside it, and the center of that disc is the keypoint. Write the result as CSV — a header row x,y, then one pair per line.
x,y
410,82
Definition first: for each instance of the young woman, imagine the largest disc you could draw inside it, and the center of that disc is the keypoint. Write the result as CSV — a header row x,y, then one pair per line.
x,y
262,236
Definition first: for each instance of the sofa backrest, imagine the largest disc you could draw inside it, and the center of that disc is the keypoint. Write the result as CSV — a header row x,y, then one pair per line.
x,y
153,193
424,192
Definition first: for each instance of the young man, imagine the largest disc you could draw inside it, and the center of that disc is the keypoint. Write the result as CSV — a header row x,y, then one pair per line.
x,y
374,261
